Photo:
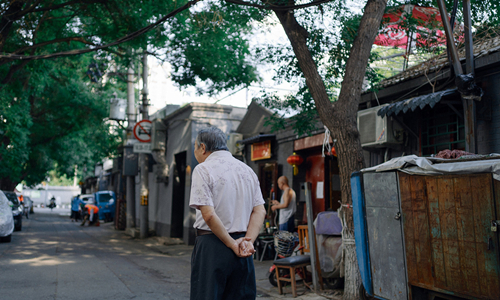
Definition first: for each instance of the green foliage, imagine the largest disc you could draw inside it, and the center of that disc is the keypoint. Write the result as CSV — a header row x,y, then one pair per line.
x,y
297,110
53,115
52,111
55,179
208,48
332,28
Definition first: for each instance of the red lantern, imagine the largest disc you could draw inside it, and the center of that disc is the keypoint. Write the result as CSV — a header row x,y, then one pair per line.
x,y
334,152
295,160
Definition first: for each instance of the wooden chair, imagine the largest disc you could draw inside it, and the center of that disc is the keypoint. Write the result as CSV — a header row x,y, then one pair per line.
x,y
293,263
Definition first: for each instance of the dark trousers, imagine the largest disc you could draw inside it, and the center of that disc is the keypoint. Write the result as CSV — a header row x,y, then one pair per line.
x,y
217,273
289,225
75,215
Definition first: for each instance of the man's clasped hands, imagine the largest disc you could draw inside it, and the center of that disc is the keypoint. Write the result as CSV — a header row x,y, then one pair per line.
x,y
243,247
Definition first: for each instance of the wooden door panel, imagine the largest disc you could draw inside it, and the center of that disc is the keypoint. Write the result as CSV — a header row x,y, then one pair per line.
x,y
436,241
465,234
448,241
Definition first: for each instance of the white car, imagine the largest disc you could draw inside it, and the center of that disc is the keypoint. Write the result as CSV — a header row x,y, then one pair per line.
x,y
6,219
88,198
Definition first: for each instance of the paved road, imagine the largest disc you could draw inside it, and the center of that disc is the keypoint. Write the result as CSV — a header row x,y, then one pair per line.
x,y
53,258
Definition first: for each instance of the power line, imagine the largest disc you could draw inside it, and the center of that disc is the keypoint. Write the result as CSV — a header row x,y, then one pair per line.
x,y
273,88
119,41
229,95
11,56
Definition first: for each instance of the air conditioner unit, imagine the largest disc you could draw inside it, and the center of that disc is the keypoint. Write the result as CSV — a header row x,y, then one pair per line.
x,y
376,131
232,145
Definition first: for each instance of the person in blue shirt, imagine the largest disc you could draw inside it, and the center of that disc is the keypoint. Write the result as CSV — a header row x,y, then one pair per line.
x,y
75,206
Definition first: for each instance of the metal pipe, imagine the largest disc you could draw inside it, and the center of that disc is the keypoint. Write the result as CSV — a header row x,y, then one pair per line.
x,y
143,157
311,233
449,38
469,51
469,104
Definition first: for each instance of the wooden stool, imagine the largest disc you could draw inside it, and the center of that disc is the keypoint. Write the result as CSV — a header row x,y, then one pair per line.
x,y
291,264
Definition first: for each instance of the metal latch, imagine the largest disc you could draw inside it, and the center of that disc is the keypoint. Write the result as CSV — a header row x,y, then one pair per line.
x,y
397,216
494,225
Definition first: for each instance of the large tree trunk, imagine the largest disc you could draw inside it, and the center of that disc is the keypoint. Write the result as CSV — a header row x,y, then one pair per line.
x,y
340,117
7,185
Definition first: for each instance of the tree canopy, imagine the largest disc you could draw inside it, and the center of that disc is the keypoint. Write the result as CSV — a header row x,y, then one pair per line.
x,y
330,49
332,28
50,115
54,103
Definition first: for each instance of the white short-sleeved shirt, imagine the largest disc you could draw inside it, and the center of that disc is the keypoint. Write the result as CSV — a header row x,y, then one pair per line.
x,y
230,186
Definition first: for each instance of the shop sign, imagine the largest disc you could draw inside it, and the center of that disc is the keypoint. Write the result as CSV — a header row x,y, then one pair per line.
x,y
261,150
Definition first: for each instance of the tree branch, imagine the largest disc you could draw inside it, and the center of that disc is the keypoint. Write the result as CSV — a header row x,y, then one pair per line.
x,y
124,39
62,40
270,6
66,4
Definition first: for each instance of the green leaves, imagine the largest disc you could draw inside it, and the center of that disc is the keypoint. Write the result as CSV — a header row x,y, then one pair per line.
x,y
209,50
296,110
52,115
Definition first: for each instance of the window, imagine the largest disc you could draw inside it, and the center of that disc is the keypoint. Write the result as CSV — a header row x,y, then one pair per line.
x,y
442,129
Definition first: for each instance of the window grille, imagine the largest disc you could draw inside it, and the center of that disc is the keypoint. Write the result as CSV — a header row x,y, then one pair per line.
x,y
442,129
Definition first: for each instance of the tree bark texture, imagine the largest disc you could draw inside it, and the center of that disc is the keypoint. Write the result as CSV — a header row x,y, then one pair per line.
x,y
7,185
341,117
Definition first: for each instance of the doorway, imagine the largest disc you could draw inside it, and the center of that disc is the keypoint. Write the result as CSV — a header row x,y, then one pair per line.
x,y
268,178
178,193
333,196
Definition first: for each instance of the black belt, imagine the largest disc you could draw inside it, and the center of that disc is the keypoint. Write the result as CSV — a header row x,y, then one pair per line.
x,y
200,232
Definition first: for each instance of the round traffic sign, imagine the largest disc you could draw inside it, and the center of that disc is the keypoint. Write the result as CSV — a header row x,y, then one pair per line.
x,y
142,131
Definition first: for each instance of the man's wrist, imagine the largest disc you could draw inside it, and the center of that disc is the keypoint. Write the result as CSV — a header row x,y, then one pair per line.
x,y
233,244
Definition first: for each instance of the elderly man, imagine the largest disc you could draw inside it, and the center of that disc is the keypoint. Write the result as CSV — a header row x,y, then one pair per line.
x,y
229,214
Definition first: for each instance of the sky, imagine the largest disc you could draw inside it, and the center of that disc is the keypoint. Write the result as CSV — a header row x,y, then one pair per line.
x,y
162,90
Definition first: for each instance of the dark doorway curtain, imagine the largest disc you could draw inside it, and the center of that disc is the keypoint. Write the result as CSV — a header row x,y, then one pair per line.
x,y
178,193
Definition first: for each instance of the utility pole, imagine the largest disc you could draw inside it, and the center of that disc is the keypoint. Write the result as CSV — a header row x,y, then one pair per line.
x,y
143,157
468,102
469,92
131,122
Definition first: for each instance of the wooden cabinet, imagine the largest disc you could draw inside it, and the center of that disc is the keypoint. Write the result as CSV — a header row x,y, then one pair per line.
x,y
450,245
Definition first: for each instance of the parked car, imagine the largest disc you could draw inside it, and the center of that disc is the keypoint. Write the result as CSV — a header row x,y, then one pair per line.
x,y
17,210
106,201
88,198
6,219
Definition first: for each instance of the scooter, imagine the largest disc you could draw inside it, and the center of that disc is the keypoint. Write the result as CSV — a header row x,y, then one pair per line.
x,y
52,203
